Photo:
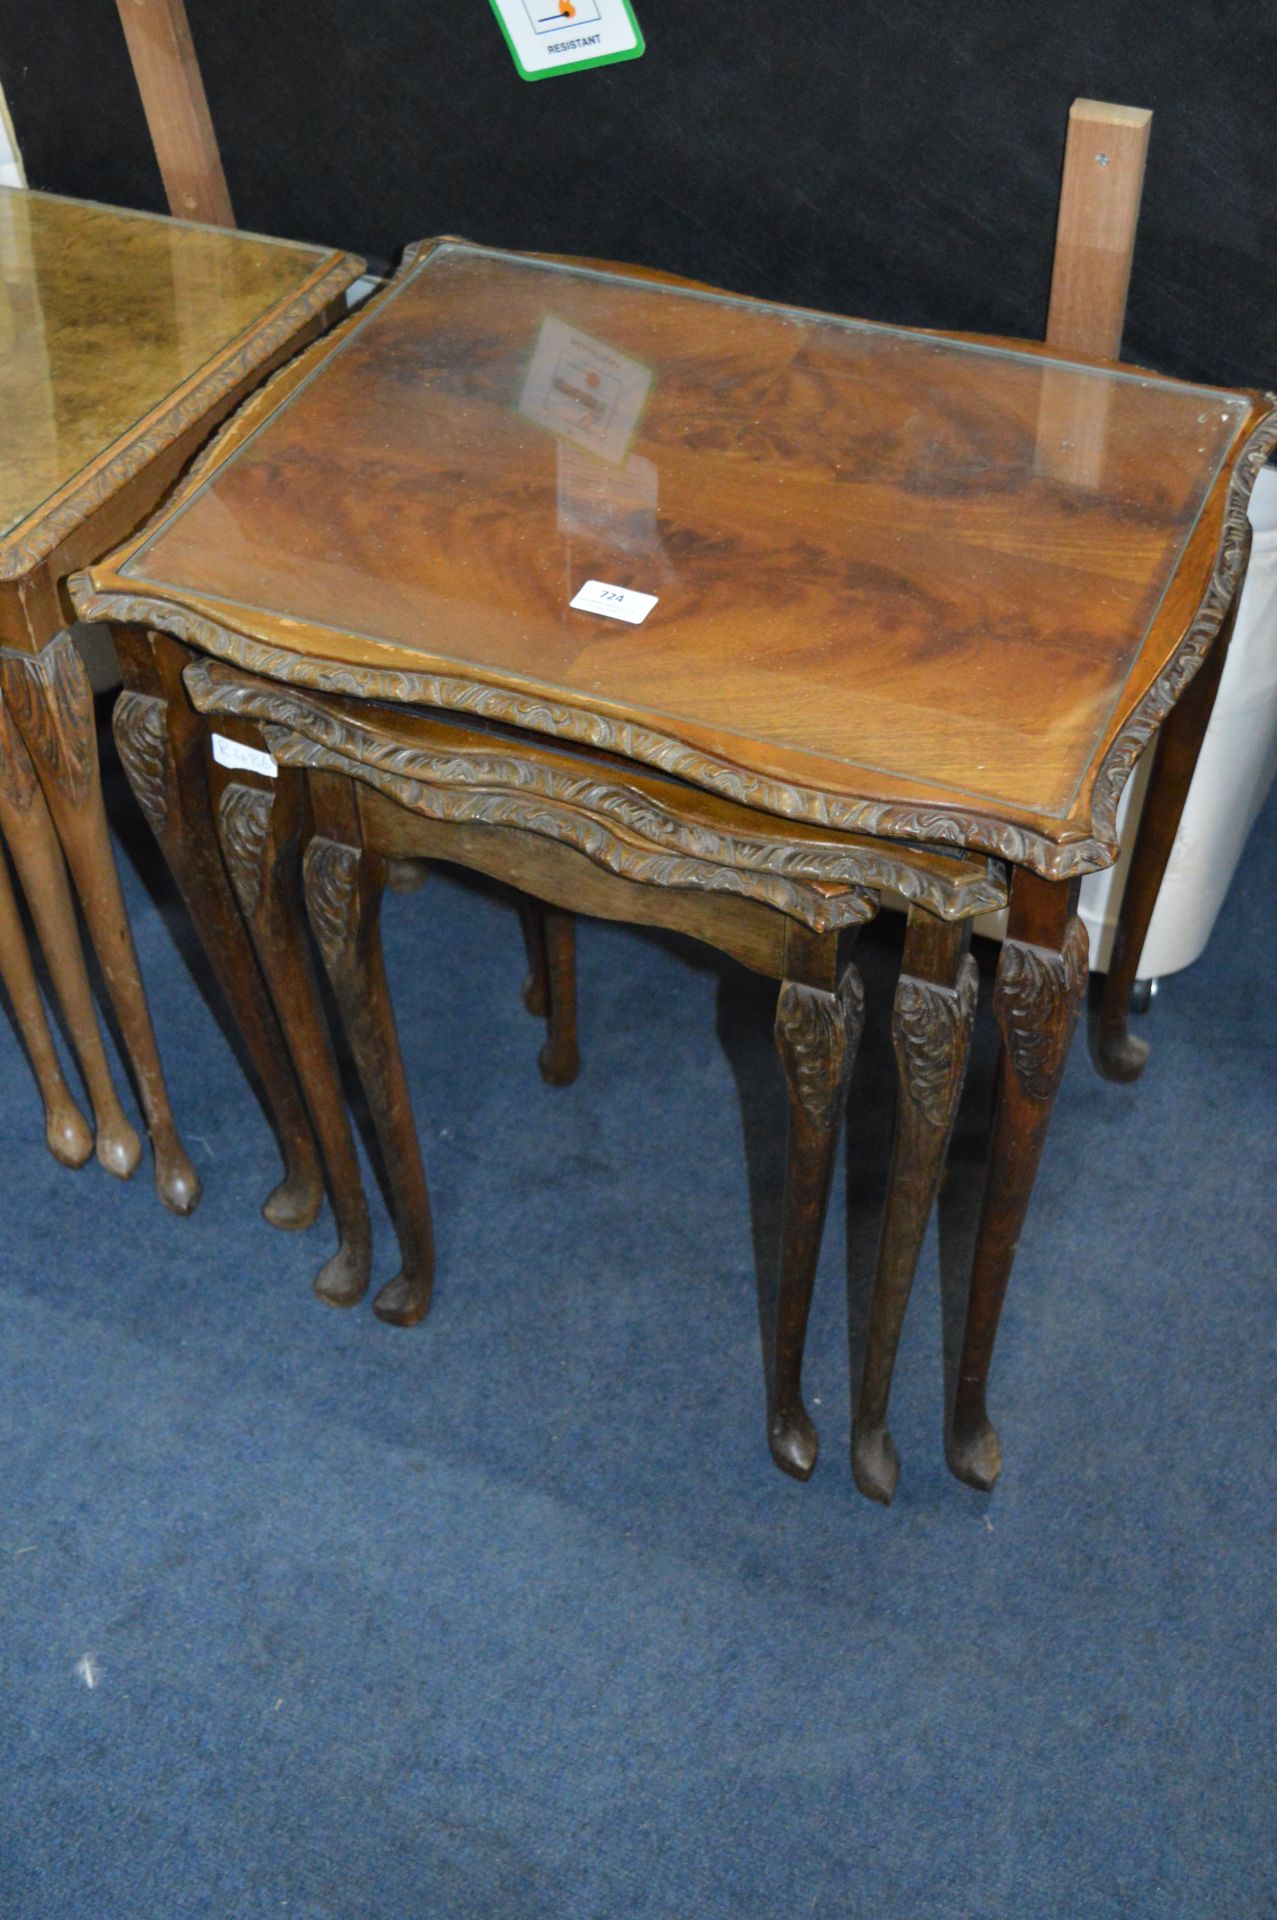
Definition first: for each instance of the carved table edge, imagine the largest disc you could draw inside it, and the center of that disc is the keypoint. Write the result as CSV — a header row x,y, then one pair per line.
x,y
930,824
1230,562
640,817
600,841
933,823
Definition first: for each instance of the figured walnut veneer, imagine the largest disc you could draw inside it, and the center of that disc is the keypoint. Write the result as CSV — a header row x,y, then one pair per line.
x,y
907,583
118,332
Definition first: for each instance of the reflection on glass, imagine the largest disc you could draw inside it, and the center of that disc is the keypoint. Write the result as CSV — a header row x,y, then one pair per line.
x,y
584,390
607,505
1072,426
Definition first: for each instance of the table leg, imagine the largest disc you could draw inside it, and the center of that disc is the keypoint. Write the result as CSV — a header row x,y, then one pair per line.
x,y
560,1062
932,1019
550,988
559,1059
1118,1053
549,992
162,752
817,1033
27,828
52,703
66,1130
406,876
1038,994
260,835
536,988
344,885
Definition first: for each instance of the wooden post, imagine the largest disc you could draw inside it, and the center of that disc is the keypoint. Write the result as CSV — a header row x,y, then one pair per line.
x,y
168,78
1094,242
1095,234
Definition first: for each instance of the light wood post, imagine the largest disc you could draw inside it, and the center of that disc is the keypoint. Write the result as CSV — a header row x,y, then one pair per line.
x,y
168,78
1095,233
1094,243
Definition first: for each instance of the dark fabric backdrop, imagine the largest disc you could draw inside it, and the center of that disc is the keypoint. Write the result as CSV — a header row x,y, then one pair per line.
x,y
896,161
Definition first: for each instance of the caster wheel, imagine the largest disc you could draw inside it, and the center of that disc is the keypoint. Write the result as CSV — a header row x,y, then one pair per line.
x,y
1143,994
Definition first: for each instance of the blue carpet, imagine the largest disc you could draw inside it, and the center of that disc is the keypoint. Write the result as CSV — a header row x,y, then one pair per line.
x,y
511,1615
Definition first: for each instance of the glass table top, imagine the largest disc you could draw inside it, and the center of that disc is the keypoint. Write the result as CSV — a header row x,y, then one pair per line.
x,y
869,547
103,314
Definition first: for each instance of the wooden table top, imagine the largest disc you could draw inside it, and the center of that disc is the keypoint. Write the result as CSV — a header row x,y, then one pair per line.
x,y
117,331
905,583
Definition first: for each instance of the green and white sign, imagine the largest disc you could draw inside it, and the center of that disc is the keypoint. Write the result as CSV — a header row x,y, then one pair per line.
x,y
565,36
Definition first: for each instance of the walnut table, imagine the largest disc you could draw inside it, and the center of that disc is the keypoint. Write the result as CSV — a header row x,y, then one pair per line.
x,y
124,338
915,605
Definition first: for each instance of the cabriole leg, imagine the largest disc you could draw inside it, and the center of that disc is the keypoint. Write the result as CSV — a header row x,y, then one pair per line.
x,y
932,1019
52,704
260,833
536,988
162,754
66,1130
560,1062
406,876
1040,986
1118,1053
817,1033
28,830
344,884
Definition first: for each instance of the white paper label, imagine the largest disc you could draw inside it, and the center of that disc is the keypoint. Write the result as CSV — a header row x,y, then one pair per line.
x,y
229,753
618,603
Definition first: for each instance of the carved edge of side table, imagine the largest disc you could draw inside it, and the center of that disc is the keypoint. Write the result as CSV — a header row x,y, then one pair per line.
x,y
36,537
1225,582
950,888
931,822
575,827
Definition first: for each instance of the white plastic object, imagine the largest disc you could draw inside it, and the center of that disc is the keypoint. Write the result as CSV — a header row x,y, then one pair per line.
x,y
11,174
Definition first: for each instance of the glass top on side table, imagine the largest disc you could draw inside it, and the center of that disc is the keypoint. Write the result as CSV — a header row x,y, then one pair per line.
x,y
886,565
106,314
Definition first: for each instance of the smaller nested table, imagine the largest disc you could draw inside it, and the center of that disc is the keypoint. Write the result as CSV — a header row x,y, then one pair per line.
x,y
585,833
124,339
887,609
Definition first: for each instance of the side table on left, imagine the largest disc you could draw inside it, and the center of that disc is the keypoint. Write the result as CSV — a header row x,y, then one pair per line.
x,y
124,338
